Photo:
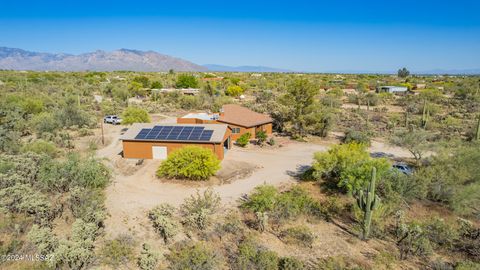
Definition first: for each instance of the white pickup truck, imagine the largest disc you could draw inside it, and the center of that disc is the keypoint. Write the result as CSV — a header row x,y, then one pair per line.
x,y
112,119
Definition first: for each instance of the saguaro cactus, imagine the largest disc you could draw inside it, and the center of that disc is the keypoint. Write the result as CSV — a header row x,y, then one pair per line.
x,y
368,201
477,133
425,114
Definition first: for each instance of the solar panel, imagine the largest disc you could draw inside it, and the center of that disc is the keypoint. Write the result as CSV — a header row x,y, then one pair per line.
x,y
206,135
183,133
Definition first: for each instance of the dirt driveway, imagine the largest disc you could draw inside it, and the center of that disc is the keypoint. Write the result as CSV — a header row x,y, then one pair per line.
x,y
129,197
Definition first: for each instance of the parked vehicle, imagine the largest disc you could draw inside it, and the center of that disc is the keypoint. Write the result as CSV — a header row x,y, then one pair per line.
x,y
381,155
404,168
112,119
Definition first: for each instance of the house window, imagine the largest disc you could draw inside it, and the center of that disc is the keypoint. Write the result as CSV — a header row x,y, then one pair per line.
x,y
235,130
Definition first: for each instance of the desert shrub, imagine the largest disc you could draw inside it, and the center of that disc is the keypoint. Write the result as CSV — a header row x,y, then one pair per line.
x,y
327,209
469,239
163,221
453,178
88,205
43,239
440,233
45,122
412,240
290,263
292,203
78,251
193,256
85,132
197,210
356,136
234,90
261,137
280,206
243,140
263,199
190,162
253,256
299,235
467,265
395,183
271,141
74,171
21,198
135,115
118,251
20,169
148,258
41,147
348,166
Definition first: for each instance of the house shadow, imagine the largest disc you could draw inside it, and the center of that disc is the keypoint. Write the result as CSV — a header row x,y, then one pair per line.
x,y
300,172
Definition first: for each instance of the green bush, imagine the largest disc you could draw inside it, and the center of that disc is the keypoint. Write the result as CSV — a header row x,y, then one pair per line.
x,y
197,210
193,256
234,90
163,221
263,199
252,256
348,166
440,233
261,137
299,235
290,263
356,136
135,115
244,139
190,162
186,81
41,147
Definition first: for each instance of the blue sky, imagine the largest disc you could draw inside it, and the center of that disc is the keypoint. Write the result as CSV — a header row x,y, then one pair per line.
x,y
377,36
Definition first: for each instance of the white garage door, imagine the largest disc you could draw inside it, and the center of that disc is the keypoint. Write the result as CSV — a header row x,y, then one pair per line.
x,y
159,152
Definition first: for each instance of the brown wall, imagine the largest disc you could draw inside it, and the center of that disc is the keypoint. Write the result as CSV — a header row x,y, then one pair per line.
x,y
252,130
181,120
143,149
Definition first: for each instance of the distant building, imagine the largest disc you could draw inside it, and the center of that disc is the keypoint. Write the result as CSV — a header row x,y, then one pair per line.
x,y
420,86
185,91
392,89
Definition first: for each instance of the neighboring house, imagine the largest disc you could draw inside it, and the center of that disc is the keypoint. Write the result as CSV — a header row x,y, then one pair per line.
x,y
198,118
242,120
185,91
157,141
392,89
239,119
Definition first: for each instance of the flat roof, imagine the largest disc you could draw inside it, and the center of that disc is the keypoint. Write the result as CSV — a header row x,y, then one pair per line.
x,y
203,116
217,132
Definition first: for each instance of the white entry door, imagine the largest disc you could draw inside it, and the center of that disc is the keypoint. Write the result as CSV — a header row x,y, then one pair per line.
x,y
159,152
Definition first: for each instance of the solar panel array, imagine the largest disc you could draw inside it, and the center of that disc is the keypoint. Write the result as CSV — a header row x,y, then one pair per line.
x,y
175,133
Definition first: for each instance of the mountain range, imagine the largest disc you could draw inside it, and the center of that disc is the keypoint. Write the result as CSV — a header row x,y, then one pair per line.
x,y
135,60
123,59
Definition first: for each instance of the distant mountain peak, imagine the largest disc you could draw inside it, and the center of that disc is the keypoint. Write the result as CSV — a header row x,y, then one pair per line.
x,y
99,60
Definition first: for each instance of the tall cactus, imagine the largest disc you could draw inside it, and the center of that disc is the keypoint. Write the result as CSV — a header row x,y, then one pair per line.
x,y
425,114
477,133
368,201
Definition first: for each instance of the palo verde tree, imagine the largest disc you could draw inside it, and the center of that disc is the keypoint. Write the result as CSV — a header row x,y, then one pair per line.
x,y
300,99
368,201
186,81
